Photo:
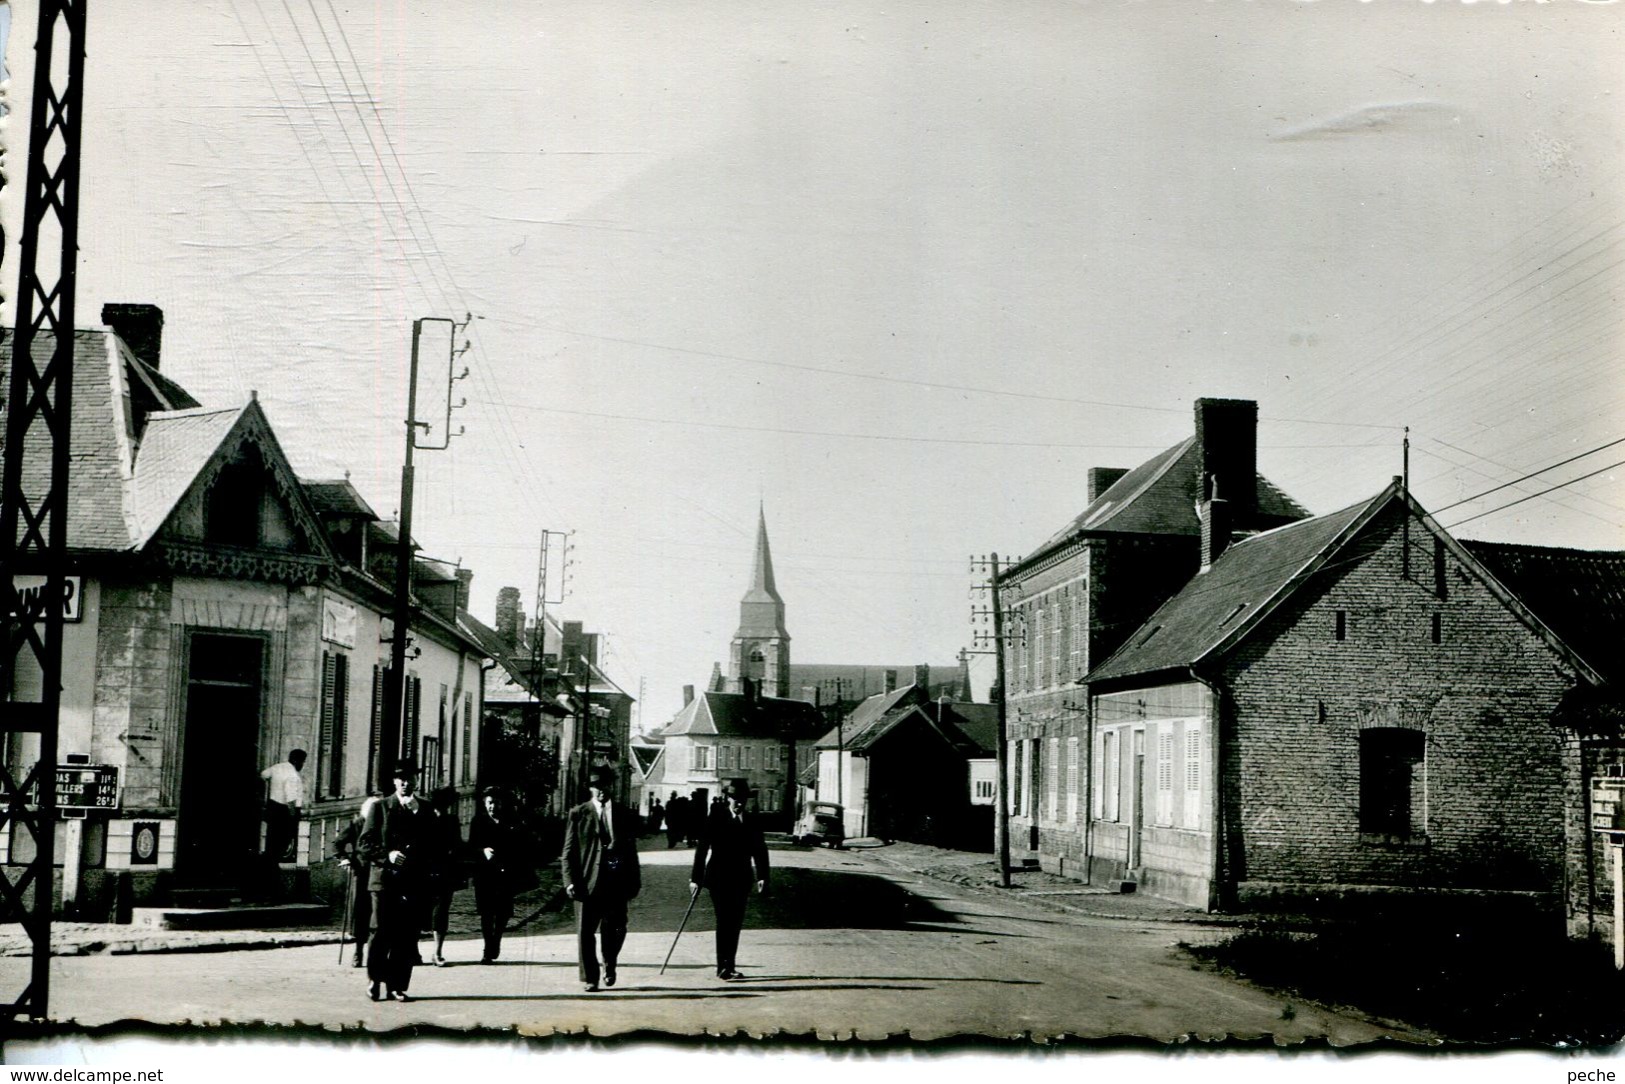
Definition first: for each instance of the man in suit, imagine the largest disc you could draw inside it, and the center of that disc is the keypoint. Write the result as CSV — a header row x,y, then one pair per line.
x,y
731,856
398,843
601,874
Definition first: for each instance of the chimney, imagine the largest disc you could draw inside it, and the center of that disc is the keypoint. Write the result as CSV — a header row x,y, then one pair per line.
x,y
1103,478
1216,525
748,686
465,578
922,677
717,683
140,326
891,681
509,617
571,647
1227,445
688,695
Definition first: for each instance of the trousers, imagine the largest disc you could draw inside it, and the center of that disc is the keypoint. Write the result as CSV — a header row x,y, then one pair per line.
x,y
604,916
729,904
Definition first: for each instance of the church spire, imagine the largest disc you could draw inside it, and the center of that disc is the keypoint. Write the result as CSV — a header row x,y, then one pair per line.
x,y
761,646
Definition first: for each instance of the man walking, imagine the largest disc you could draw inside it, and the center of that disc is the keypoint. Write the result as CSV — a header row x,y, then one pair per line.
x,y
731,856
284,798
494,842
600,874
399,844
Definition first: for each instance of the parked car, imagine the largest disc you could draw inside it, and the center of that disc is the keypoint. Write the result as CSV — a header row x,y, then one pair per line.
x,y
821,823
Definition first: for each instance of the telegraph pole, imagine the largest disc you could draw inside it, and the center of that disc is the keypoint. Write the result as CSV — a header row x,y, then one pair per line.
x,y
1001,799
393,721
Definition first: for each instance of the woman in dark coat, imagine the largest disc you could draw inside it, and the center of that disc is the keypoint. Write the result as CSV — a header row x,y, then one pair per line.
x,y
494,847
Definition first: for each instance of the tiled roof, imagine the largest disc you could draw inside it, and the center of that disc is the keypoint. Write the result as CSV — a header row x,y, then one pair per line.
x,y
872,712
978,724
1239,584
1578,594
734,715
337,498
1160,497
176,446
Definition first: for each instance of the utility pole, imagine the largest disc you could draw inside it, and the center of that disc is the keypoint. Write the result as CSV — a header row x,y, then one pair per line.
x,y
553,542
34,509
393,721
1001,799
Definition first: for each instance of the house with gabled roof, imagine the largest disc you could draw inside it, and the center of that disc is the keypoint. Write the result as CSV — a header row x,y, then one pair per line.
x,y
1077,596
718,736
226,613
899,766
1350,706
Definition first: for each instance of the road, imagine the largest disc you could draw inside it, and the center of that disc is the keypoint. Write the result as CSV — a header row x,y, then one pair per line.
x,y
843,946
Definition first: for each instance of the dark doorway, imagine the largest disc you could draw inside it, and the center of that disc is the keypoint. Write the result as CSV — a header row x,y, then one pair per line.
x,y
220,789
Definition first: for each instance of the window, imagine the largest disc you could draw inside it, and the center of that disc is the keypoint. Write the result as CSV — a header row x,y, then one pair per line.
x,y
430,772
412,717
1021,650
1015,778
468,737
702,758
1040,654
1438,628
375,737
1057,630
1440,586
1165,773
233,504
1052,784
1190,810
1078,634
330,742
1113,769
984,789
1097,779
725,758
1341,625
1392,781
1035,767
1072,779
770,801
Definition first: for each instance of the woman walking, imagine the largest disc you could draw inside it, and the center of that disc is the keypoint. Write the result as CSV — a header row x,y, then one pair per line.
x,y
493,843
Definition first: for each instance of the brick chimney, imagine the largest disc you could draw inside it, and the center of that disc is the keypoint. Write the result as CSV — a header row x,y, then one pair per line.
x,y
922,677
509,617
572,647
140,326
465,578
1217,523
688,695
1227,445
891,681
1103,478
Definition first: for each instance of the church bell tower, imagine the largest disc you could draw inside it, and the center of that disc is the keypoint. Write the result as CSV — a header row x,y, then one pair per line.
x,y
761,647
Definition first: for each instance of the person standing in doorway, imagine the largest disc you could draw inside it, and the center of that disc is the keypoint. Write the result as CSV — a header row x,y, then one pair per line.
x,y
601,874
730,858
348,848
493,843
399,845
284,800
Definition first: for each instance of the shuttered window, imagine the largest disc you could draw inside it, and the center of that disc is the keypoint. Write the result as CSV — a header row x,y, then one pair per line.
x,y
334,709
413,718
468,737
1052,784
1072,779
1190,811
1165,774
375,736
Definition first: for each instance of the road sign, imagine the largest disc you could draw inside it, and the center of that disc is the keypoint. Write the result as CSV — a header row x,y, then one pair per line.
x,y
86,786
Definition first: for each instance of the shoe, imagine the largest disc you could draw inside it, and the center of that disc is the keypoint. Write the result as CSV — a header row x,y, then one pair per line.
x,y
373,990
356,962
439,960
592,987
401,995
609,976
729,975
486,960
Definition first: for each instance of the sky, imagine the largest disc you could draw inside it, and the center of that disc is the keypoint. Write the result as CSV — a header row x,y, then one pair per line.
x,y
895,274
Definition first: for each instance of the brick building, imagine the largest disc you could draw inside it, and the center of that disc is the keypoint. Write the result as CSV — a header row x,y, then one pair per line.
x,y
1078,596
1349,706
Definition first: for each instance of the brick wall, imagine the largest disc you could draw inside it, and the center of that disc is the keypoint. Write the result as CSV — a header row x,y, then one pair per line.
x,y
1296,698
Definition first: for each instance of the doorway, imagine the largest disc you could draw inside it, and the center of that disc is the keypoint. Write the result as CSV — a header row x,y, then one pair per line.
x,y
1137,812
220,790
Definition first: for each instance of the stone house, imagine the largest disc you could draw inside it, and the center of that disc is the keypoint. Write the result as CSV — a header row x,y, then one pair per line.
x,y
718,736
1347,707
1076,598
228,612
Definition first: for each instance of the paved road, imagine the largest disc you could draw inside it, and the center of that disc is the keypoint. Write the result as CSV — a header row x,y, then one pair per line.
x,y
843,946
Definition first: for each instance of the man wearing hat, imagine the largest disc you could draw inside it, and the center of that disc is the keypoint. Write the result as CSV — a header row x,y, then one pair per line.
x,y
398,843
600,873
731,856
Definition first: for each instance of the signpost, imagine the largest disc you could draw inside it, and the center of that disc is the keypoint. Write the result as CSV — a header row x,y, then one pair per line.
x,y
80,790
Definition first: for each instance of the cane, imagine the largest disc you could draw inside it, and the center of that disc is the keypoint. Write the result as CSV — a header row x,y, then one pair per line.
x,y
680,925
344,922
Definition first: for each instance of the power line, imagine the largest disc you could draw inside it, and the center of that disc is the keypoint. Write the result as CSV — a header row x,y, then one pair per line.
x,y
1526,477
1532,496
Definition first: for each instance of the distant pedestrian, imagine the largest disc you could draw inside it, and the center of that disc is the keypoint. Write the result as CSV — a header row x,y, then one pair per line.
x,y
284,800
348,848
600,874
676,816
730,858
493,844
445,873
398,844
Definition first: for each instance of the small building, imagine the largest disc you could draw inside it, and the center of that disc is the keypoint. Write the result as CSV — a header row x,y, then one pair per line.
x,y
719,736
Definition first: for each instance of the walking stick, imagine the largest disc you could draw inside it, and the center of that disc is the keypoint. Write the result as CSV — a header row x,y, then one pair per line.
x,y
344,922
680,925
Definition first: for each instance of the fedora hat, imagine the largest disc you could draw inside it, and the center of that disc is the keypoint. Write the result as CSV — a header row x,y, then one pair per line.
x,y
405,768
601,775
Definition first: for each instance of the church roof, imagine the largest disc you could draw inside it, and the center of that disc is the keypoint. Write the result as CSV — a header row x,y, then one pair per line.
x,y
761,611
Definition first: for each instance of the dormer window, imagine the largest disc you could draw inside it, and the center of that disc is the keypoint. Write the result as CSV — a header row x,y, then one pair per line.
x,y
235,503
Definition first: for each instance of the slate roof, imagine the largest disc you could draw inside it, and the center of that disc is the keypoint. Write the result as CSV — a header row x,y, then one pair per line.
x,y
978,724
1160,497
337,498
1240,584
1578,594
174,450
872,712
734,715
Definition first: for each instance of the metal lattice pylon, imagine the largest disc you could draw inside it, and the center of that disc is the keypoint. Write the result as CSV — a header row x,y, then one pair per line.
x,y
34,492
